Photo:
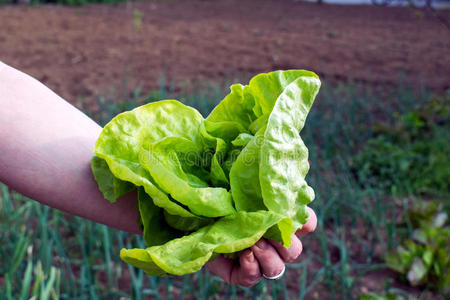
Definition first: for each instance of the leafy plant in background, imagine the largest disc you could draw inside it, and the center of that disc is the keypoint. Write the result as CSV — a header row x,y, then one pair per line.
x,y
424,258
412,155
36,284
39,279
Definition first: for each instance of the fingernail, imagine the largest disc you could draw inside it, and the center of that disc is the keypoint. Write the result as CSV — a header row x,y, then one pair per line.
x,y
250,256
261,244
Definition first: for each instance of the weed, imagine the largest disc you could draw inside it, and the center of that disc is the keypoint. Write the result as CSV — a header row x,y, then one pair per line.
x,y
411,156
423,259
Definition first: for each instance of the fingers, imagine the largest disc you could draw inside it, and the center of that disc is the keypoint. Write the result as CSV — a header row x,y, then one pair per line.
x,y
265,257
310,225
221,267
288,254
246,273
270,262
272,255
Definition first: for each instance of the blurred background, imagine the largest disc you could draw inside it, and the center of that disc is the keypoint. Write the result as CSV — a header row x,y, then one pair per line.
x,y
378,136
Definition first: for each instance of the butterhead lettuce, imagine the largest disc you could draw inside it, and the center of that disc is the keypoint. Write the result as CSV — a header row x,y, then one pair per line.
x,y
214,185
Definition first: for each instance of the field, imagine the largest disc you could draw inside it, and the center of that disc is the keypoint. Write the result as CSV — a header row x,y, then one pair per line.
x,y
83,51
377,136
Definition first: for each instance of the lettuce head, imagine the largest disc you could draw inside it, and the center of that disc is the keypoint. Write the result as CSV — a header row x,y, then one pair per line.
x,y
214,185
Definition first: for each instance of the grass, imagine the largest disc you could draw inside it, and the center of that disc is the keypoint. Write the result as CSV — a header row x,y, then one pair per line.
x,y
50,255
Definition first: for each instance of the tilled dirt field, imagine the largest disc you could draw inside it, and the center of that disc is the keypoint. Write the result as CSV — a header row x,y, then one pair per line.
x,y
81,51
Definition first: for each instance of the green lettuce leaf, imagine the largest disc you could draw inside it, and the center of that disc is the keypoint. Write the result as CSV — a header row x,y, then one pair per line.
x,y
167,172
120,142
111,187
244,177
156,231
284,156
281,101
232,116
189,253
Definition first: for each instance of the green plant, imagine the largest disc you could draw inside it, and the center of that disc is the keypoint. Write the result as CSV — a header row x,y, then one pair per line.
x,y
138,15
423,259
40,280
410,156
202,179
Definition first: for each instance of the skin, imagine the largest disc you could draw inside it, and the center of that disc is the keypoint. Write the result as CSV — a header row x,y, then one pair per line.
x,y
46,148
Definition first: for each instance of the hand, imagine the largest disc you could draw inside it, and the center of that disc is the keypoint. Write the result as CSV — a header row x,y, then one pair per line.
x,y
265,257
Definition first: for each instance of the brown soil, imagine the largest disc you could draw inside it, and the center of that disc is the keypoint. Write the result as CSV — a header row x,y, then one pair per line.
x,y
82,51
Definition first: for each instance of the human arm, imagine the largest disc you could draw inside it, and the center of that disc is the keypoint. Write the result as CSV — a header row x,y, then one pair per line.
x,y
46,147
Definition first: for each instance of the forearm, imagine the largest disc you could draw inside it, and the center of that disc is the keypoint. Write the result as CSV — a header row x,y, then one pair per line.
x,y
45,151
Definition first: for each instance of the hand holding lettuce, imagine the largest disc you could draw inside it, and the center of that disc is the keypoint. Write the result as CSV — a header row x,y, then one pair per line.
x,y
214,185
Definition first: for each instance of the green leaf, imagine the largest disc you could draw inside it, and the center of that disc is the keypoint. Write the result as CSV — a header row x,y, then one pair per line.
x,y
267,87
111,187
242,140
218,175
417,272
284,156
186,224
156,231
140,258
189,253
427,257
167,172
232,116
244,177
282,102
121,141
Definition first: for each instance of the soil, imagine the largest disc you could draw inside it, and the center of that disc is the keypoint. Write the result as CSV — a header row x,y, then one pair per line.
x,y
82,51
